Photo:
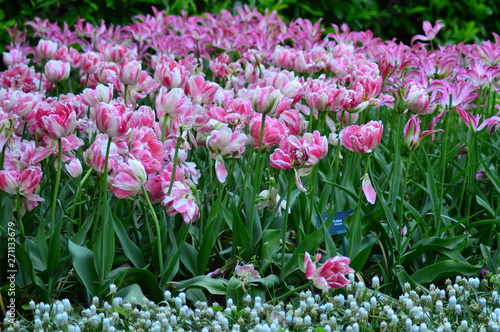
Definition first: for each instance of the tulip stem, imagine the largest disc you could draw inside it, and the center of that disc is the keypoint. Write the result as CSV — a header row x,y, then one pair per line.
x,y
285,220
56,189
158,231
103,193
19,214
291,292
174,169
2,155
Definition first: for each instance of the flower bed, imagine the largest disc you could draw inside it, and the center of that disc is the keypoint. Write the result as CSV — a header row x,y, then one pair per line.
x,y
209,155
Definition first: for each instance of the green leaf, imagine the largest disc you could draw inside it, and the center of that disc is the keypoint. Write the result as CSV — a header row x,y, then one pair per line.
x,y
358,261
83,262
270,246
130,249
425,245
486,205
444,269
54,250
79,237
208,238
130,291
234,290
310,244
240,234
213,286
24,261
104,249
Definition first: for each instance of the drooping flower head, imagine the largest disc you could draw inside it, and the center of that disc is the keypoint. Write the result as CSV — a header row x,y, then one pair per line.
x,y
330,274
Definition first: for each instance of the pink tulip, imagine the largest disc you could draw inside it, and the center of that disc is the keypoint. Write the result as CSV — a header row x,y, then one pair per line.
x,y
127,178
200,91
46,49
173,102
130,72
112,119
26,183
90,62
266,100
171,75
14,56
412,134
181,200
363,138
329,275
74,167
417,98
95,155
247,272
58,121
101,94
228,144
57,70
429,30
145,147
274,131
368,190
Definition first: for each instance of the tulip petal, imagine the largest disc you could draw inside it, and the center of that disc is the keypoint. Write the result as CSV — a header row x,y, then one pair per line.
x,y
370,194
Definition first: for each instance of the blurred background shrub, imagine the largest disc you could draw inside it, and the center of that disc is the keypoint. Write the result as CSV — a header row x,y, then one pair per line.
x,y
466,20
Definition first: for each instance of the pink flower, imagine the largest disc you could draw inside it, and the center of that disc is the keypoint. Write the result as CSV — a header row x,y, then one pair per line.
x,y
370,193
330,274
171,75
14,56
58,121
181,200
430,32
172,103
417,98
246,272
112,119
46,49
74,167
274,131
95,155
363,138
127,178
145,147
291,154
412,134
101,94
200,91
57,70
266,100
130,72
26,183
225,143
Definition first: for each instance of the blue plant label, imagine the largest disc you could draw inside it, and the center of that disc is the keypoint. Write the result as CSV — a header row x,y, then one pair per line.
x,y
337,226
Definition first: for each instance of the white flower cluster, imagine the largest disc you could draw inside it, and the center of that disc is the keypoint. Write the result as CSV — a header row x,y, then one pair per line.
x,y
467,305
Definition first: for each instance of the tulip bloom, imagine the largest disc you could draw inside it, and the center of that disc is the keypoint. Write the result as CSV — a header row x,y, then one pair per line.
x,y
412,134
363,138
247,272
228,144
127,178
57,70
130,72
112,119
56,122
329,275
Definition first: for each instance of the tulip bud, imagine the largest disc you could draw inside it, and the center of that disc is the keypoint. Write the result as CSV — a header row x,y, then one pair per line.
x,y
57,70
